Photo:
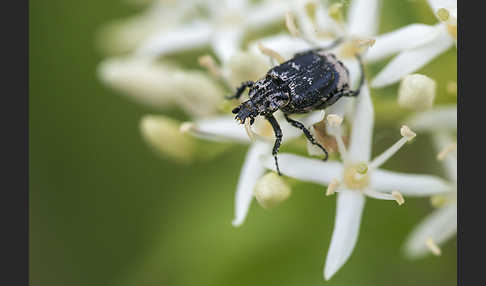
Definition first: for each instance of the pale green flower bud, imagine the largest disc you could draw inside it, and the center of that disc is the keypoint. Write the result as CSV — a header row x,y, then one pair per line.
x,y
416,92
163,134
271,190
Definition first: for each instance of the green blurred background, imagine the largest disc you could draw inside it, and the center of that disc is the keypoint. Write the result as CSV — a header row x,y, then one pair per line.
x,y
105,210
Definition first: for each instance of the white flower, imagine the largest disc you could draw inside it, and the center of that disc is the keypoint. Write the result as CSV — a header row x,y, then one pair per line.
x,y
223,28
226,128
417,44
356,177
162,85
441,224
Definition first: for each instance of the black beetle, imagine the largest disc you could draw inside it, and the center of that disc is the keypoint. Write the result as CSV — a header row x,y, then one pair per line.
x,y
309,81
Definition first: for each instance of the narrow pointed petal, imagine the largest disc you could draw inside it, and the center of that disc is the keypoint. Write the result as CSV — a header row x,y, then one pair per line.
x,y
192,36
402,39
362,132
442,140
409,184
266,13
251,171
305,169
349,208
226,42
442,118
283,44
440,226
412,60
363,17
222,128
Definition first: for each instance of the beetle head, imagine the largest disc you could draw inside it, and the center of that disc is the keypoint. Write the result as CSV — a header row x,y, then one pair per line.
x,y
244,111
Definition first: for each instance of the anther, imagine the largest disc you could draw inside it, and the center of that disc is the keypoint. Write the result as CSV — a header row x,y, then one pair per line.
x,y
405,131
432,246
334,120
398,197
444,152
248,130
332,187
210,64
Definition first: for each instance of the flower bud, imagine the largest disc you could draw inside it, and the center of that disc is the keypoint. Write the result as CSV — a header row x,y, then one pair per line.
x,y
416,92
163,134
245,66
271,190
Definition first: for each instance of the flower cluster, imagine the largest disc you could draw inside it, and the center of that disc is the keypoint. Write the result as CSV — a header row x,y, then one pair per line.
x,y
144,71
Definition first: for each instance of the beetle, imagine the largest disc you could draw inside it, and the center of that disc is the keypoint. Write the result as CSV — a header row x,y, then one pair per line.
x,y
310,80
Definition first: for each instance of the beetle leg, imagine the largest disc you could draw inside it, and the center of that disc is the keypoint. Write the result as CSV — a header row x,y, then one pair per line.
x,y
241,89
306,133
278,138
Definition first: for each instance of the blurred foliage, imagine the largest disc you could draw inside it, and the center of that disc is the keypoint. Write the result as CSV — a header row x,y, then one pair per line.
x,y
105,210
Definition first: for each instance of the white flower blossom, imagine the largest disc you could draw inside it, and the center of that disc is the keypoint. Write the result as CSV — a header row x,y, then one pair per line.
x,y
441,224
356,177
223,28
416,44
226,128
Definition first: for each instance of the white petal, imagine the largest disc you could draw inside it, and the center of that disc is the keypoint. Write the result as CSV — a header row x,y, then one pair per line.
x,y
283,44
402,39
409,184
442,140
305,169
440,118
192,36
220,129
440,226
266,13
251,171
346,229
411,60
362,128
226,42
363,17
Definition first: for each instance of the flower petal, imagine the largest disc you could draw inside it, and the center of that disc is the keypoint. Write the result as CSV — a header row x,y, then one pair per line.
x,y
442,140
411,60
226,42
266,13
283,44
443,118
405,38
363,17
408,184
305,169
362,128
188,37
440,226
220,128
349,208
251,171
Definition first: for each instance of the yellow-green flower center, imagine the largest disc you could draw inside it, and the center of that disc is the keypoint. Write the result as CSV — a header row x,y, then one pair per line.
x,y
356,176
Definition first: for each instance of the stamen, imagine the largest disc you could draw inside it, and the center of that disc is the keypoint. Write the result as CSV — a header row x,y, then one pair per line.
x,y
210,64
405,131
334,129
271,53
432,246
385,196
444,152
248,130
332,187
290,24
407,134
398,197
186,127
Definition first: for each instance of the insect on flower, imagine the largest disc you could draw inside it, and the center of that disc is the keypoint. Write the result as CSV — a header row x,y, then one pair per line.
x,y
311,80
